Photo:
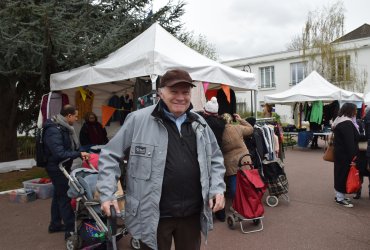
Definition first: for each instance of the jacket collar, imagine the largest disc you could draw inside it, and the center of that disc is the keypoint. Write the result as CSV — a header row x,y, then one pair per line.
x,y
159,113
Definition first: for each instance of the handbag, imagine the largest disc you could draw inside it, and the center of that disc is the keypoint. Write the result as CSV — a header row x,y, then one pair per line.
x,y
353,183
329,152
362,145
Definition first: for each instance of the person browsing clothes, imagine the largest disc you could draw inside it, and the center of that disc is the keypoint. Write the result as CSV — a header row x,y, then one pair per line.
x,y
175,170
234,147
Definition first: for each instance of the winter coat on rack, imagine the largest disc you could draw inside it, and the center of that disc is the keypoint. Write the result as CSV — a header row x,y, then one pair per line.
x,y
51,104
223,104
115,102
84,106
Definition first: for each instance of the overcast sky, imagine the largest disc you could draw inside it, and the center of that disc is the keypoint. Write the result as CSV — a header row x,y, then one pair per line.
x,y
245,28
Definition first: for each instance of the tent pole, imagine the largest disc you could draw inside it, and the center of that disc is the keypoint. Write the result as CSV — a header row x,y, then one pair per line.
x,y
153,78
255,102
252,103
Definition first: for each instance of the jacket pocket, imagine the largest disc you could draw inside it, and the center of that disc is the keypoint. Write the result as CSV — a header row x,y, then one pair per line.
x,y
141,157
132,205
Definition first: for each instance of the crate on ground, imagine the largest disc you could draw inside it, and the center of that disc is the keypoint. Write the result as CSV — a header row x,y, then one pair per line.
x,y
22,195
43,191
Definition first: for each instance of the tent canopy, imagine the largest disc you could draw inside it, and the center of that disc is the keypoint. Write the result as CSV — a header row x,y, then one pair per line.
x,y
367,99
313,88
151,53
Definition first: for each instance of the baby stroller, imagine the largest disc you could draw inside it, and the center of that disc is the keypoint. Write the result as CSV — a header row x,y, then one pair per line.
x,y
92,229
277,183
247,205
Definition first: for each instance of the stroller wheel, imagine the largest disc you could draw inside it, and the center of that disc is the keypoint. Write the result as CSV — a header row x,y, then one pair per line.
x,y
272,201
73,242
231,222
256,222
135,244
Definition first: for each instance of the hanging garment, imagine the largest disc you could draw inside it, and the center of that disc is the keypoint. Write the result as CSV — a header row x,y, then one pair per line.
x,y
127,105
142,87
296,114
115,102
84,106
316,112
51,104
198,98
224,106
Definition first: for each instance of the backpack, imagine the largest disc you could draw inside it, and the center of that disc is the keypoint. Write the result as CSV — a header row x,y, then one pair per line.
x,y
40,157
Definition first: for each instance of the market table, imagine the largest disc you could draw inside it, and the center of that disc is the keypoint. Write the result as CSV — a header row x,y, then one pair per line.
x,y
289,135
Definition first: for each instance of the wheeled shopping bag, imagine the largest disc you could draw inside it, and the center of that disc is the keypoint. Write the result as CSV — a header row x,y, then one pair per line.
x,y
247,205
276,181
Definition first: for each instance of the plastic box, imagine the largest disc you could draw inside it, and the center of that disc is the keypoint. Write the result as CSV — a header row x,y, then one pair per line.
x,y
22,196
304,138
43,191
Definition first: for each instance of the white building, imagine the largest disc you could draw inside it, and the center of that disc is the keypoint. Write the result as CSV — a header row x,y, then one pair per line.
x,y
277,72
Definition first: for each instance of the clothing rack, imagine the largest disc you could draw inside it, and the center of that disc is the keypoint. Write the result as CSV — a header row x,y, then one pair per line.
x,y
264,120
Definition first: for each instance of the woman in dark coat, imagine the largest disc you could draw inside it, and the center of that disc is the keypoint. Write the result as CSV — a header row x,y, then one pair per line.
x,y
346,138
364,156
217,124
92,132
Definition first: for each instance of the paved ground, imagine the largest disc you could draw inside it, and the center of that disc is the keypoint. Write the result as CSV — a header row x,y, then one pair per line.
x,y
312,220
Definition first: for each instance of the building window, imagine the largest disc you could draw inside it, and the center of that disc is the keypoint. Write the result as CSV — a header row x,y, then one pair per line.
x,y
341,68
267,77
297,72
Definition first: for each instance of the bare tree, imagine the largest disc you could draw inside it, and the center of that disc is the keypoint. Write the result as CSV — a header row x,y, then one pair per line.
x,y
320,46
200,44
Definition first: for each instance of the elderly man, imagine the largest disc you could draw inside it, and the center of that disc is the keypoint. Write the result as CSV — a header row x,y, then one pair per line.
x,y
175,170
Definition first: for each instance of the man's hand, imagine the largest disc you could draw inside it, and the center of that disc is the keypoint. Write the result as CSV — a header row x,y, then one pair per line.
x,y
105,207
217,202
85,156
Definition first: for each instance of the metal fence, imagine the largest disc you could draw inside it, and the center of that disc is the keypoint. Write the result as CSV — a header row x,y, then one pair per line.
x,y
26,151
241,107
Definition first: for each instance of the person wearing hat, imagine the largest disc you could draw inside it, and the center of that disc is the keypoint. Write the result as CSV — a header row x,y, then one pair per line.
x,y
233,146
217,124
175,173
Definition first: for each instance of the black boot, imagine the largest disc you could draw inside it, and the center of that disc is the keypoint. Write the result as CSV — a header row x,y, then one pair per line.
x,y
357,195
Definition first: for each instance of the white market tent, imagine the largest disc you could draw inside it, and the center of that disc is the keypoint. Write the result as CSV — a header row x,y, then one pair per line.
x,y
149,55
152,53
367,99
313,88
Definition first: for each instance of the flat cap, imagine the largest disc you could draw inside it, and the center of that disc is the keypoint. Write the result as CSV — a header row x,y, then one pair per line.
x,y
175,76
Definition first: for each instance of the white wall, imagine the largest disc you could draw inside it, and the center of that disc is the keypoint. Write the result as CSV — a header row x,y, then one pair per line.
x,y
359,50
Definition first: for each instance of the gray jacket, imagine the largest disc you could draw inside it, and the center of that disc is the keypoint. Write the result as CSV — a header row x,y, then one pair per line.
x,y
145,138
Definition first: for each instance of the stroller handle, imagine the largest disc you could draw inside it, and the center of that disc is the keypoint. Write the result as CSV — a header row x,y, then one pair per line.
x,y
240,163
69,177
61,167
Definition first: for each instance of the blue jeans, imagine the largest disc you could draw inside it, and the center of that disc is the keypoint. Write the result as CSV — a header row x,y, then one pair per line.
x,y
61,208
232,185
